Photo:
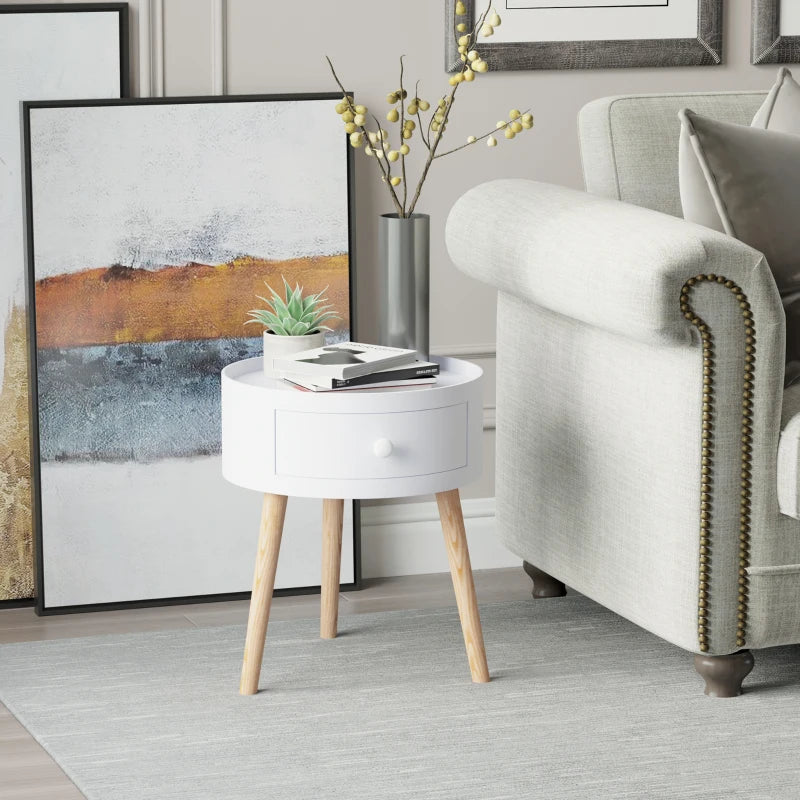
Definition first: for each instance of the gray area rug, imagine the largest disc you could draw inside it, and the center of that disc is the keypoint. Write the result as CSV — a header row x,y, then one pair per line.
x,y
582,704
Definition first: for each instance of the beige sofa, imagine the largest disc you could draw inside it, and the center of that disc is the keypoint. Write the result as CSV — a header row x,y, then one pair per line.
x,y
640,392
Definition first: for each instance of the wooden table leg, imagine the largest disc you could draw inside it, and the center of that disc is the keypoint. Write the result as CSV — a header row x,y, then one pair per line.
x,y
455,538
332,520
269,545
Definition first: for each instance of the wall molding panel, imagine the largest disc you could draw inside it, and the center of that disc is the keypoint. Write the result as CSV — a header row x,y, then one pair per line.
x,y
151,48
219,46
467,351
406,539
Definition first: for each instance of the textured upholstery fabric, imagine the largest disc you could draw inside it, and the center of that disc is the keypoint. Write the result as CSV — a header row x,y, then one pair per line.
x,y
781,110
598,411
629,145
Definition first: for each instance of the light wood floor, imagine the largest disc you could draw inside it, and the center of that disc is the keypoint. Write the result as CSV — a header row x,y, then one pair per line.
x,y
28,773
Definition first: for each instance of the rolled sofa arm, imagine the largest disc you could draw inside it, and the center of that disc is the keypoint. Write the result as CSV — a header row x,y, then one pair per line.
x,y
599,261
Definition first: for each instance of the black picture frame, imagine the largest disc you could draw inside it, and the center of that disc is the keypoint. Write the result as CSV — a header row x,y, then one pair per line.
x,y
767,45
122,10
41,608
705,49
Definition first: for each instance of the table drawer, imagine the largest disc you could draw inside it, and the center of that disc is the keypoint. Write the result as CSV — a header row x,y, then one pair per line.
x,y
364,446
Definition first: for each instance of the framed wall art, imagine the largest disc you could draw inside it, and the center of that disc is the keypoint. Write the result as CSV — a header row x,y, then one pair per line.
x,y
776,32
592,34
51,51
152,226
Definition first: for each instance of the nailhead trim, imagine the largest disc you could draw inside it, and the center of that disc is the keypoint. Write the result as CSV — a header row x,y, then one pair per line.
x,y
707,453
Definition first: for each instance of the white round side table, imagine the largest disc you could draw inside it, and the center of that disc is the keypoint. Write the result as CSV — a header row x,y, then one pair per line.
x,y
374,443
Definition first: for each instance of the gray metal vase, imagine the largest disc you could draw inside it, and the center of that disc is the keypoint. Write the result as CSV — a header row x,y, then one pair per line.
x,y
405,282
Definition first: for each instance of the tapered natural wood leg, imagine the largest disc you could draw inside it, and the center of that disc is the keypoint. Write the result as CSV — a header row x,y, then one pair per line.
x,y
724,675
269,545
455,538
332,519
544,585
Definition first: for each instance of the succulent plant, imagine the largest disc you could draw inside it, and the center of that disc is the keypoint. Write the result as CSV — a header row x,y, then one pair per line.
x,y
293,315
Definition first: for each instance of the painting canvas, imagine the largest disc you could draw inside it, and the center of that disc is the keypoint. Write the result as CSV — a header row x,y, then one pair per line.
x,y
46,52
154,224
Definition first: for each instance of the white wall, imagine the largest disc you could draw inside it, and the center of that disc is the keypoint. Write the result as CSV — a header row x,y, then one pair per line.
x,y
253,46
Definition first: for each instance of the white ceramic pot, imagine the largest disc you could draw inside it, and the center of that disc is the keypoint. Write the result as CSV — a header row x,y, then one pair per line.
x,y
279,346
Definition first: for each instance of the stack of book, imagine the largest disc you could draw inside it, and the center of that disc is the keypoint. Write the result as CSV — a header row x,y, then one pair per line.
x,y
352,365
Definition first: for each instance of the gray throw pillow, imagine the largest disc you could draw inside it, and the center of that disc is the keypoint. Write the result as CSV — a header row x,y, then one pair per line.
x,y
781,110
753,177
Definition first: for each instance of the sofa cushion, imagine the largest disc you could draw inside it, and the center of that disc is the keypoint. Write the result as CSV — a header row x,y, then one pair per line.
x,y
780,112
789,454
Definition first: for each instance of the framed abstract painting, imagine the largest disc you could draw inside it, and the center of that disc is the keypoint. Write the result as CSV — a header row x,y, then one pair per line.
x,y
47,52
152,227
594,34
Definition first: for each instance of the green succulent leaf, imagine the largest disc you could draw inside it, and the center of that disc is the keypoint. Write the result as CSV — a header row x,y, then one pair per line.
x,y
293,314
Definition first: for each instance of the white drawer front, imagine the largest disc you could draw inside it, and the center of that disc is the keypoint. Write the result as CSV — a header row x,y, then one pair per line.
x,y
363,446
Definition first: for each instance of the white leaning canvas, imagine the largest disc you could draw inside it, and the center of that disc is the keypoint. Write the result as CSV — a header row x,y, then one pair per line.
x,y
76,51
164,219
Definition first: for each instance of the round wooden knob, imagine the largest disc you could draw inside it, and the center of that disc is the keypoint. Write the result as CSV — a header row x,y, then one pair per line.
x,y
382,448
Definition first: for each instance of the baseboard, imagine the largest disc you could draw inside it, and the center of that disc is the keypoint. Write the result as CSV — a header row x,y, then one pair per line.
x,y
406,539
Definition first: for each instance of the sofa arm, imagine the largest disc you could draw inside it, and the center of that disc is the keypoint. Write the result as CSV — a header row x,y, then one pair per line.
x,y
602,262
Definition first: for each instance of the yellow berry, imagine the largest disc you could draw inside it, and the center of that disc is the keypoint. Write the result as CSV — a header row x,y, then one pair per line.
x,y
407,133
384,135
462,49
461,27
359,119
495,20
396,180
501,124
341,108
410,124
469,75
487,30
393,155
393,116
491,142
479,65
361,109
349,127
463,41
472,55
412,109
452,80
424,105
347,116
461,9
391,98
527,125
510,133
514,113
516,126
356,139
368,151
404,149
471,139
